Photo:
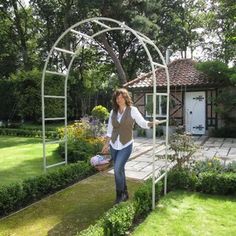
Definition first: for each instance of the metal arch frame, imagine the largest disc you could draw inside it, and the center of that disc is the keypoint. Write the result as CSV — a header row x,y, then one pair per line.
x,y
143,40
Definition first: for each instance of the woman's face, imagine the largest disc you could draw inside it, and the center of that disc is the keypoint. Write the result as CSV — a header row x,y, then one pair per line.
x,y
120,100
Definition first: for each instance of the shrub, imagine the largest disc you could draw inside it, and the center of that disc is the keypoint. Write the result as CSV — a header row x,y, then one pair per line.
x,y
224,132
27,133
83,129
143,197
81,149
181,179
119,219
209,165
93,230
82,142
231,167
214,183
18,195
101,113
11,198
183,146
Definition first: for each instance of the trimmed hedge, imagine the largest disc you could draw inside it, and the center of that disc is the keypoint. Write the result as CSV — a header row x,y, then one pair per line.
x,y
181,179
118,220
205,182
27,133
143,197
18,195
213,183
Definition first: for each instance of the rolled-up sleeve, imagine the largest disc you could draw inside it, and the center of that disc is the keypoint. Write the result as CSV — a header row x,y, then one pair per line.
x,y
109,127
137,116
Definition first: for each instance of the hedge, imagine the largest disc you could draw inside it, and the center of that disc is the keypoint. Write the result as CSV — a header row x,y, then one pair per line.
x,y
18,195
27,133
213,183
119,219
206,182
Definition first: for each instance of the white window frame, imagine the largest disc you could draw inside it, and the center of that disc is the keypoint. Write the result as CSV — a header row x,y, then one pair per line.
x,y
159,109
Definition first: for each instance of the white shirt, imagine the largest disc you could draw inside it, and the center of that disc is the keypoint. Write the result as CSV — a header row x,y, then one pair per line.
x,y
136,115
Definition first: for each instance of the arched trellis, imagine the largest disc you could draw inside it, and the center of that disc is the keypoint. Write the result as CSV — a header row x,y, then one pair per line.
x,y
85,38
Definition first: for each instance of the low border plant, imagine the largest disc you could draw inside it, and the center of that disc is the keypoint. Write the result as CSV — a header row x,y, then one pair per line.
x,y
27,133
118,220
18,195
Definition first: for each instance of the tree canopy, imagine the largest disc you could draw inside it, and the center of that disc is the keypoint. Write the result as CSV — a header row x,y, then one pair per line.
x,y
27,34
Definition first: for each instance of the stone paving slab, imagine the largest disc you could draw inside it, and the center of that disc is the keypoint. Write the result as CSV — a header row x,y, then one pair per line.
x,y
232,151
140,167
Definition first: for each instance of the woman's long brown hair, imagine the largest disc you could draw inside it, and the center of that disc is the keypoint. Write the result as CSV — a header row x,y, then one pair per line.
x,y
125,94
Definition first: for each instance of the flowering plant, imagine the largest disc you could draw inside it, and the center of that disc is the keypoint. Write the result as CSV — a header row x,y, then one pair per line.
x,y
183,147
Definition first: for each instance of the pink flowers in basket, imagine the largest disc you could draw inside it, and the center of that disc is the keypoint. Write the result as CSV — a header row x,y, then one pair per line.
x,y
99,160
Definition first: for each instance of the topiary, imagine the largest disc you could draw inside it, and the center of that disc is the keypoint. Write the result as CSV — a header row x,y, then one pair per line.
x,y
101,113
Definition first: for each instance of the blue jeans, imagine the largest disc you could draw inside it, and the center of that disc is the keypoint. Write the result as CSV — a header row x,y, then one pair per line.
x,y
120,158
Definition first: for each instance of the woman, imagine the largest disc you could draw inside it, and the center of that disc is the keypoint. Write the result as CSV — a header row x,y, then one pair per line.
x,y
120,137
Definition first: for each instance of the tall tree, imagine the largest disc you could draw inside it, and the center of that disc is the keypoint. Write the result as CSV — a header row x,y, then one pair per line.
x,y
8,50
219,26
22,31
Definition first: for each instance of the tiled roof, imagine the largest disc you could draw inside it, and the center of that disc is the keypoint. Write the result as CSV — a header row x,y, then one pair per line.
x,y
181,72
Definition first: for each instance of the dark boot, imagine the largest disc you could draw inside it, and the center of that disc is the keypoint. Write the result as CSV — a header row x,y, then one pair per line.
x,y
125,194
119,196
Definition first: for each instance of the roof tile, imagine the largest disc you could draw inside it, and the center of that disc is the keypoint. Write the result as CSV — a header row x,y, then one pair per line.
x,y
181,72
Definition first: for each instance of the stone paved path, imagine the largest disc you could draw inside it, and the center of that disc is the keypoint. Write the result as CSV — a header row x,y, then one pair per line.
x,y
140,166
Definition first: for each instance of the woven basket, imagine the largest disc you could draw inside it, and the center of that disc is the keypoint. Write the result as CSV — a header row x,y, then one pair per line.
x,y
104,167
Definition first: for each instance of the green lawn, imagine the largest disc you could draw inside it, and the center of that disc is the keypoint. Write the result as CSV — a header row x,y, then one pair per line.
x,y
21,157
68,211
187,214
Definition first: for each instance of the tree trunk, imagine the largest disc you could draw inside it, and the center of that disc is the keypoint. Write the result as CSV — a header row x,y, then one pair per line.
x,y
23,44
120,70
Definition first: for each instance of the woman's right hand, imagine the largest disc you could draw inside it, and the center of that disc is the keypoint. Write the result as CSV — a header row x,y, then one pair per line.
x,y
105,148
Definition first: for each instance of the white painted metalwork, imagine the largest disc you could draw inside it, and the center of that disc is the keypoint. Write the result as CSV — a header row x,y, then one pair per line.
x,y
55,73
56,141
64,50
55,118
102,22
57,164
53,96
159,65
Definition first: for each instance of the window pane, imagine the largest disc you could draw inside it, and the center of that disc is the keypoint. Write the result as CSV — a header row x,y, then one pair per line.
x,y
159,110
163,105
158,105
149,101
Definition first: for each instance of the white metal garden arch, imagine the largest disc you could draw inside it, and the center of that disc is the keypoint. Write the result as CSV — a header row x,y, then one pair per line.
x,y
104,25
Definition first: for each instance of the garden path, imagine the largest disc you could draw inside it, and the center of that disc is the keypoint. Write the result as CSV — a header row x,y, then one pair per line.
x,y
140,167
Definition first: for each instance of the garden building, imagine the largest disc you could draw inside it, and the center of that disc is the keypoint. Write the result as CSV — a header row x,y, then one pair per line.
x,y
191,96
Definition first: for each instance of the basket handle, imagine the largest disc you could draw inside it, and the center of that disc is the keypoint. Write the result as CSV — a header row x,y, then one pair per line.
x,y
100,153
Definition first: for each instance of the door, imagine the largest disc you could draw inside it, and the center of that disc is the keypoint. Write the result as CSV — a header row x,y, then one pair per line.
x,y
195,112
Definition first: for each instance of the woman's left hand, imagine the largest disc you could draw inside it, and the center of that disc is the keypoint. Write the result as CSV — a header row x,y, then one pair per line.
x,y
157,122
